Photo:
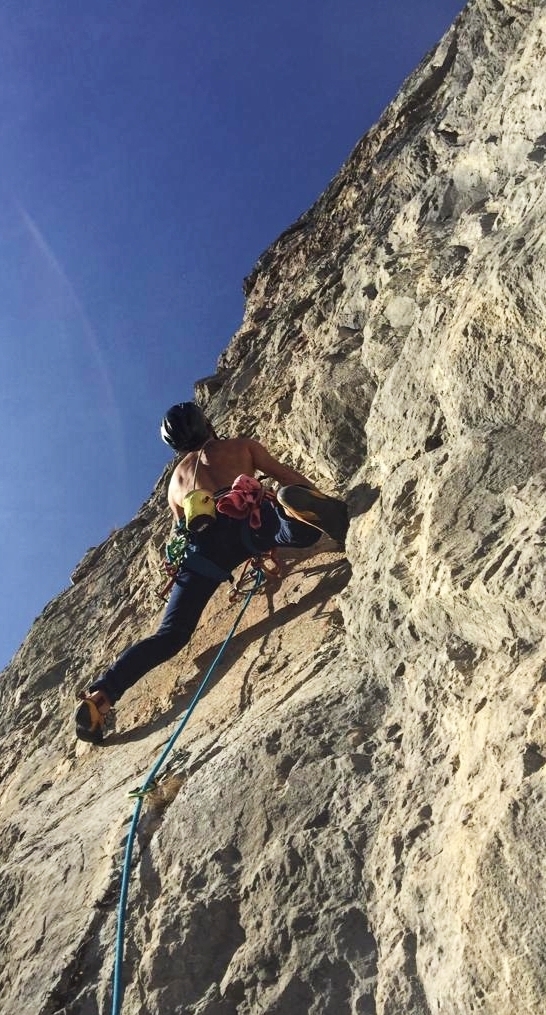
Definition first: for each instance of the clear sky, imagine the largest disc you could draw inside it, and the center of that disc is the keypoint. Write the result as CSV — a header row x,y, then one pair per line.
x,y
151,150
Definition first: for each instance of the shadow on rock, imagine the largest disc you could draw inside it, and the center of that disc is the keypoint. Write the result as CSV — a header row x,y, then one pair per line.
x,y
362,498
334,579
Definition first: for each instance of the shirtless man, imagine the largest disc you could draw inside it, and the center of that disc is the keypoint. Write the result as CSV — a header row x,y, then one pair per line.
x,y
219,464
211,464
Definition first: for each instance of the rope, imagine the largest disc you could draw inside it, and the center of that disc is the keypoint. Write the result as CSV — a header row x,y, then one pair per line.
x,y
117,995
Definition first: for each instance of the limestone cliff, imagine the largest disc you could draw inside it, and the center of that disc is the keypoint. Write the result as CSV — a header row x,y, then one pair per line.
x,y
355,821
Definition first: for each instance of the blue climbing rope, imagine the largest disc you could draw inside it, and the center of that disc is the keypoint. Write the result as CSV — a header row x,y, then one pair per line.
x,y
117,992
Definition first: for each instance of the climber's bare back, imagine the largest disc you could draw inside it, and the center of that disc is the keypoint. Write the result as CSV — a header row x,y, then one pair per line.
x,y
220,463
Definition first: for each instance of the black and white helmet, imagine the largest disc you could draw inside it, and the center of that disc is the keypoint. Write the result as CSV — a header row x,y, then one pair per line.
x,y
185,427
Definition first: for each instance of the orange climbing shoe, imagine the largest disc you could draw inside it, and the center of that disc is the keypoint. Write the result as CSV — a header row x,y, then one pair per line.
x,y
317,509
93,716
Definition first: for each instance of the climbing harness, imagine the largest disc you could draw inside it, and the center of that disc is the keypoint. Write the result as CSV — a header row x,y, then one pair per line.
x,y
150,783
180,551
242,501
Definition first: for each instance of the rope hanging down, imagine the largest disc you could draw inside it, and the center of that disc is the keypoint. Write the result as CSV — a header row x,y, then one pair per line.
x,y
148,784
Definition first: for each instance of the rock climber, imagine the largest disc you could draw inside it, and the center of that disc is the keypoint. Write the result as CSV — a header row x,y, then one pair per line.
x,y
226,516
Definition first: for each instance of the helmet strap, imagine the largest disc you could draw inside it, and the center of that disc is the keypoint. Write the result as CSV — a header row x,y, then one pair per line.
x,y
201,449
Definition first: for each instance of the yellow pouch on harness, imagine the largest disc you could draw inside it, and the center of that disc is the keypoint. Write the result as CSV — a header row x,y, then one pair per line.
x,y
199,510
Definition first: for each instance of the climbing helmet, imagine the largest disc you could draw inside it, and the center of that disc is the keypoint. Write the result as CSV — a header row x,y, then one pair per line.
x,y
185,427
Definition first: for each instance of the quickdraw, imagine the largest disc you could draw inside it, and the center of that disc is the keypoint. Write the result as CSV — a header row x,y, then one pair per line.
x,y
175,552
266,563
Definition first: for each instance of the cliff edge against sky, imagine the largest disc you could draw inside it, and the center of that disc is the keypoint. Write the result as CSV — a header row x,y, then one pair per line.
x,y
354,822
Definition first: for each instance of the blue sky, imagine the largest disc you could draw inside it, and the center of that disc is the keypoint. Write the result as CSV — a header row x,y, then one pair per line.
x,y
151,150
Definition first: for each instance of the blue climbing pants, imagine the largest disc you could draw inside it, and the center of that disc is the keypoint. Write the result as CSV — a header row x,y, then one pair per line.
x,y
223,544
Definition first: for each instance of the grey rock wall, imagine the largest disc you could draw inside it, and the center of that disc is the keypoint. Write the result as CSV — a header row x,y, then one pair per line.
x,y
354,821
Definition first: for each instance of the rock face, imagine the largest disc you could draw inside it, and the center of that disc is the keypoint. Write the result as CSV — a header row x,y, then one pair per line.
x,y
354,822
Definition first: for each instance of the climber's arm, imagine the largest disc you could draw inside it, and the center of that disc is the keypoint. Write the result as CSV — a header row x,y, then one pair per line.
x,y
283,474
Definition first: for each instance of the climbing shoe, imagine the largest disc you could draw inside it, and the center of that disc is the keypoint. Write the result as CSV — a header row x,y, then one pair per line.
x,y
93,717
325,513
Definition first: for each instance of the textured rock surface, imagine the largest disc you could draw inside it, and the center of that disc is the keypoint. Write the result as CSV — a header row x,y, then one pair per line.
x,y
356,821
